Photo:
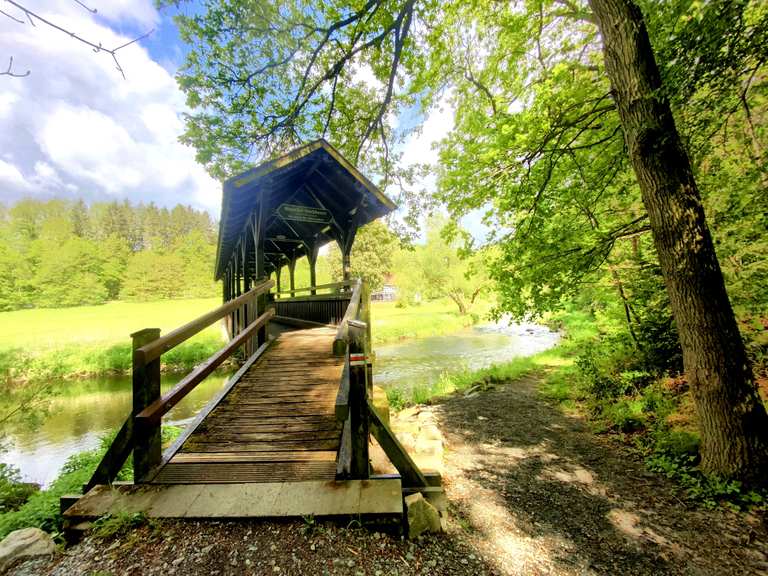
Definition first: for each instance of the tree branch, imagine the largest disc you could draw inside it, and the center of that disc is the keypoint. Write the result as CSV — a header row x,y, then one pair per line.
x,y
32,16
10,72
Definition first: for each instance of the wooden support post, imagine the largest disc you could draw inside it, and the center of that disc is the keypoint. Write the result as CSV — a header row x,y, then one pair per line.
x,y
259,273
292,273
346,264
345,244
365,316
238,292
278,271
247,307
225,299
231,276
146,390
358,400
312,257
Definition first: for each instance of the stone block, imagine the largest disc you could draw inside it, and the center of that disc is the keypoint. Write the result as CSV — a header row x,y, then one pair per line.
x,y
23,544
422,516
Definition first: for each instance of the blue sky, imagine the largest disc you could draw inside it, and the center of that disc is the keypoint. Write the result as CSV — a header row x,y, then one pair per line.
x,y
75,128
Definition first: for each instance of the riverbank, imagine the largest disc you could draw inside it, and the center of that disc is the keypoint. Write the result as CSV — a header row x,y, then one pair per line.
x,y
391,322
89,341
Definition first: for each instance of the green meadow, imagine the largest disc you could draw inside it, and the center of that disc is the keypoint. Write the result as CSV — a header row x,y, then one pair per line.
x,y
90,340
93,340
430,318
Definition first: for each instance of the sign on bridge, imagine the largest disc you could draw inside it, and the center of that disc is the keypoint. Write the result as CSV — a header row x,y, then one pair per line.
x,y
302,213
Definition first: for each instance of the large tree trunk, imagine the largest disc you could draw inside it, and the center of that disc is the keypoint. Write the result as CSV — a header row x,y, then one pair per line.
x,y
732,419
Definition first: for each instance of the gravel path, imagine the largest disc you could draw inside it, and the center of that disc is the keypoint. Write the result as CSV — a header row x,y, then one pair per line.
x,y
541,494
532,492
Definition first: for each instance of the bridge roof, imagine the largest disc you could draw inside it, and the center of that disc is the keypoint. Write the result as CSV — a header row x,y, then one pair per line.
x,y
308,197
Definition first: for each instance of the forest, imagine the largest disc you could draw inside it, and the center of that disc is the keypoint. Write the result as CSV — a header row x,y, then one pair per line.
x,y
56,253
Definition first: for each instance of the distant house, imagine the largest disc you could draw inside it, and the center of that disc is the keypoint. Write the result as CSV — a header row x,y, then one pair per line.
x,y
388,293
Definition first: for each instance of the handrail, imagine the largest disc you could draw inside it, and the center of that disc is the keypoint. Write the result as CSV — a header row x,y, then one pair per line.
x,y
342,396
155,411
158,347
342,334
318,287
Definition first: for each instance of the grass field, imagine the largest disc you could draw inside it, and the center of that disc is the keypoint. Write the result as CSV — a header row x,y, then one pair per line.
x,y
433,318
91,340
111,323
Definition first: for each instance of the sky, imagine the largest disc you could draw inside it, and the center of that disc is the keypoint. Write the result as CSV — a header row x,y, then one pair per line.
x,y
76,128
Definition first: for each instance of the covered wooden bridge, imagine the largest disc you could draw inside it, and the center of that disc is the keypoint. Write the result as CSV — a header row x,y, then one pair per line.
x,y
289,432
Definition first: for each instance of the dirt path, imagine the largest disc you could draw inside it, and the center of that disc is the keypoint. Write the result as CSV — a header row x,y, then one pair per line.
x,y
541,494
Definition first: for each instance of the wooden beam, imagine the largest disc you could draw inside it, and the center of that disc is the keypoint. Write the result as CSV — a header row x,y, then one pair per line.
x,y
358,403
157,409
312,257
342,334
146,390
344,462
342,397
410,472
331,286
292,271
158,347
114,458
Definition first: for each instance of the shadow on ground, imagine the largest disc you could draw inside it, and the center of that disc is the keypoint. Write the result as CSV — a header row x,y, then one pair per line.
x,y
543,495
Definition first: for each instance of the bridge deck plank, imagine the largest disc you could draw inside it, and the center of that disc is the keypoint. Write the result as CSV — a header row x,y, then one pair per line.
x,y
277,424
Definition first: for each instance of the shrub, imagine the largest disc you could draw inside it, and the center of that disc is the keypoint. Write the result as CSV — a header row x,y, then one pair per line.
x,y
41,510
13,492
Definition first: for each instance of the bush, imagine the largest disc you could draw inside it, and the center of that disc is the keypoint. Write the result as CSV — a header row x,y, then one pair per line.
x,y
41,510
13,492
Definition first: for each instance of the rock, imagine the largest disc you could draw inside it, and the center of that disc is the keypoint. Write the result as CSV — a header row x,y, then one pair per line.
x,y
25,543
422,516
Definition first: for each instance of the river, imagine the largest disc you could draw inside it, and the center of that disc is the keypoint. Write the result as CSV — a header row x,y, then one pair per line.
x,y
88,409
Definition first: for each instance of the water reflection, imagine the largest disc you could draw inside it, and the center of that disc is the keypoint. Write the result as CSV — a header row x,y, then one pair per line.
x,y
83,412
411,362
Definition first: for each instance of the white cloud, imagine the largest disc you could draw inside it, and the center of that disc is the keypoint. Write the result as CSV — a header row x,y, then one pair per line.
x,y
421,148
7,100
75,126
11,176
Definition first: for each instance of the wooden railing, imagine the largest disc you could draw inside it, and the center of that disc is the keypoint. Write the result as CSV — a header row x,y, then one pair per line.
x,y
331,288
325,304
141,432
354,399
351,399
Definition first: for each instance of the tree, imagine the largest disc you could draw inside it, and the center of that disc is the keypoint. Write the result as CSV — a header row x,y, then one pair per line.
x,y
59,253
371,256
732,418
440,268
152,275
198,256
446,272
540,138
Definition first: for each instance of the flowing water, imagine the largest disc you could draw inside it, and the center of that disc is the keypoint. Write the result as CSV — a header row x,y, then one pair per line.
x,y
422,361
88,409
